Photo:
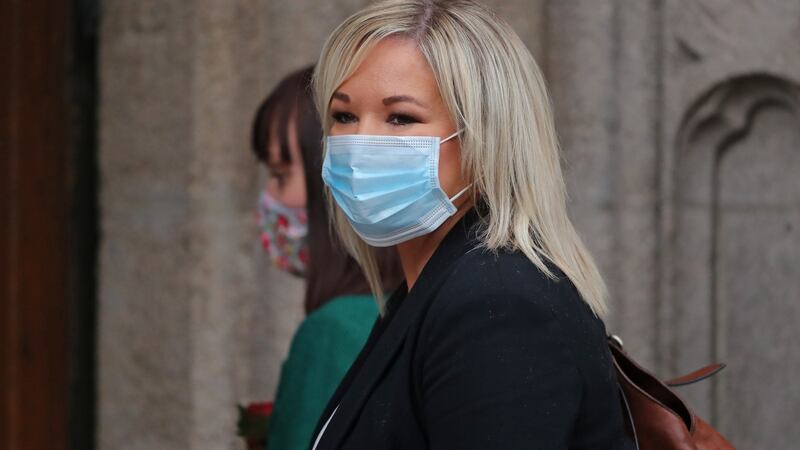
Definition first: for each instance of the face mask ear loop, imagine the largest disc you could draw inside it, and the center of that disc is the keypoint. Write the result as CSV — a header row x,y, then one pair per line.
x,y
450,137
460,193
467,187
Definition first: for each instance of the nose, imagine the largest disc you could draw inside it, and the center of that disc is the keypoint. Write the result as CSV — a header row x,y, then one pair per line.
x,y
369,124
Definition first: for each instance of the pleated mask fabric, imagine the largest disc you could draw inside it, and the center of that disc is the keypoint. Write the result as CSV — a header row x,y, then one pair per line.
x,y
388,186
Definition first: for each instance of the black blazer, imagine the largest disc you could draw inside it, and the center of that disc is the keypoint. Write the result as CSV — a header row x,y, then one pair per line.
x,y
485,352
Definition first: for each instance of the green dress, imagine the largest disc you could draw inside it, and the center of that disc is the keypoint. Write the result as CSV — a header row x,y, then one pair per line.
x,y
323,348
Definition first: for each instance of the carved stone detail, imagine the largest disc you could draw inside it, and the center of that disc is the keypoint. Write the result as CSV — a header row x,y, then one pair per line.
x,y
728,186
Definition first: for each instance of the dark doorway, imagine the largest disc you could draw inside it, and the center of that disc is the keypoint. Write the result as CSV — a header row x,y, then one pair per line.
x,y
48,223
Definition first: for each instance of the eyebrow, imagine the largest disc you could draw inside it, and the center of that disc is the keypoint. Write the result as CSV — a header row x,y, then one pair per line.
x,y
280,164
341,96
386,101
277,165
402,98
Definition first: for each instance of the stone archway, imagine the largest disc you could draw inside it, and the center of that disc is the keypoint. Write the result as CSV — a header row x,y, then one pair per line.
x,y
735,213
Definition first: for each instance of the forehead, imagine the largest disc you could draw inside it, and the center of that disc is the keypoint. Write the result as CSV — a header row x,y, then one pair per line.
x,y
394,66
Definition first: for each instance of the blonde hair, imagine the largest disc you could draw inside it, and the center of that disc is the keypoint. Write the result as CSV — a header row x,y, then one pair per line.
x,y
495,92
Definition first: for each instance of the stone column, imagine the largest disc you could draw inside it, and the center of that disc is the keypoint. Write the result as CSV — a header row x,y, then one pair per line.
x,y
192,319
603,67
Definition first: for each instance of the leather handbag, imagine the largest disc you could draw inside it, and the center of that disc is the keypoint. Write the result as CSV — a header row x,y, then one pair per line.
x,y
657,418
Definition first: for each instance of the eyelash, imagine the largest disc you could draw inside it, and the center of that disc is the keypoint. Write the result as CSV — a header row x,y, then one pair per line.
x,y
280,177
394,119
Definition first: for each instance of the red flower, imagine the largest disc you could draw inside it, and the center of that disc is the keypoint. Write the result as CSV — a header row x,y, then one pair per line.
x,y
253,424
261,409
283,222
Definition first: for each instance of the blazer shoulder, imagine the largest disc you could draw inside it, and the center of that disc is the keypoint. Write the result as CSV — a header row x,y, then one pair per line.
x,y
504,298
483,272
507,282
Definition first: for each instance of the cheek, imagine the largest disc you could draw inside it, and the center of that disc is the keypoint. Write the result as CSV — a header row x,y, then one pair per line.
x,y
273,189
291,192
294,191
450,170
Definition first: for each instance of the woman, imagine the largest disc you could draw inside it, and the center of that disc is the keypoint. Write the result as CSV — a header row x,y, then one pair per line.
x,y
440,140
295,232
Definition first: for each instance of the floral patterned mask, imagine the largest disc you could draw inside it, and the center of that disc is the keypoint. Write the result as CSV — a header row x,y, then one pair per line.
x,y
283,234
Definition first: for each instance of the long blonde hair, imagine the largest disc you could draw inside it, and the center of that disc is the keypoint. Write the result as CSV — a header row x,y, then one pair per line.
x,y
495,92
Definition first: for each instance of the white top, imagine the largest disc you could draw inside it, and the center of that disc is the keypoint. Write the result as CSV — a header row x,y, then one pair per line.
x,y
323,428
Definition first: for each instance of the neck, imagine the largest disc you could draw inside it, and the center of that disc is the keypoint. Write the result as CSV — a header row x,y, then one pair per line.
x,y
415,253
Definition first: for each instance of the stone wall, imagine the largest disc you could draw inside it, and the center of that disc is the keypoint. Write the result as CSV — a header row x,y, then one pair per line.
x,y
679,121
681,128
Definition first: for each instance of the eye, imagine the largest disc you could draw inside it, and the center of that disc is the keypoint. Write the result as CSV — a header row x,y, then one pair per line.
x,y
343,117
279,176
401,119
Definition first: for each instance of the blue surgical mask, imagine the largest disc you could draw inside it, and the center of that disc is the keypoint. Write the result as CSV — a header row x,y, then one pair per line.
x,y
388,186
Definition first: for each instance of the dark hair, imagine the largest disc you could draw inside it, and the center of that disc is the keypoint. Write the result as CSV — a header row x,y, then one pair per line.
x,y
331,270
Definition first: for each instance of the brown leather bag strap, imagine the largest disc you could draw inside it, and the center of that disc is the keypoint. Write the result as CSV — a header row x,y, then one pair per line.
x,y
683,380
630,425
647,384
656,416
697,375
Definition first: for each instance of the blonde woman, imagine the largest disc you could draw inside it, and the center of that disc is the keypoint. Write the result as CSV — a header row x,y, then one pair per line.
x,y
439,140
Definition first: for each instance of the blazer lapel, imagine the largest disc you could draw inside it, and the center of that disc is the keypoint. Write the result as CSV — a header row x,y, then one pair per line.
x,y
354,368
351,398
